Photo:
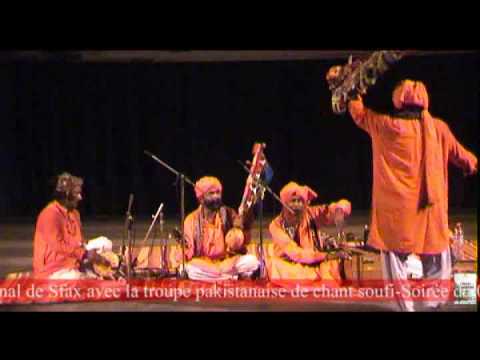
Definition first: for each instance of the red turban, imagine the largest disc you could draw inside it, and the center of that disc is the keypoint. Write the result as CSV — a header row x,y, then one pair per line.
x,y
206,184
293,189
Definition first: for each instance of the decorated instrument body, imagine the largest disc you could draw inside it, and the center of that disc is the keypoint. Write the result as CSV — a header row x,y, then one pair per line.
x,y
354,78
253,189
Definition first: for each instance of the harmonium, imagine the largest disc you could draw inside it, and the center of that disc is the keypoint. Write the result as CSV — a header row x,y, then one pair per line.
x,y
468,261
365,265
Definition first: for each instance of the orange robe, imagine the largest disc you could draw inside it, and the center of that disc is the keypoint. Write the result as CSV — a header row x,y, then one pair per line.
x,y
404,175
301,261
212,253
58,241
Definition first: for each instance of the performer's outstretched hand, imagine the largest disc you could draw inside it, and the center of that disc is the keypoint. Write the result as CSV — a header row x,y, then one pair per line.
x,y
471,171
474,170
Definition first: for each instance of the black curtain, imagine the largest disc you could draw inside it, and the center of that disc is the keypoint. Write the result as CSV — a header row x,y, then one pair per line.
x,y
95,120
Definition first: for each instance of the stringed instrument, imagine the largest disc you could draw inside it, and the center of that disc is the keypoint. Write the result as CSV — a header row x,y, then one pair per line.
x,y
354,78
253,189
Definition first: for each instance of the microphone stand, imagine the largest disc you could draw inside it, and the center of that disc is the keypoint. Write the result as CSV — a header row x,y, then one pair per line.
x,y
263,273
155,217
128,231
262,188
183,178
339,220
152,225
165,272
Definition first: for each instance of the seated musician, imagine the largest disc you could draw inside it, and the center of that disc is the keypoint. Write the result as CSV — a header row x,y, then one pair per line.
x,y
216,238
298,247
59,249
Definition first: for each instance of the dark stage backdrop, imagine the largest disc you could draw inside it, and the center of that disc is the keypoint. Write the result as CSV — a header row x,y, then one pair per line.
x,y
95,120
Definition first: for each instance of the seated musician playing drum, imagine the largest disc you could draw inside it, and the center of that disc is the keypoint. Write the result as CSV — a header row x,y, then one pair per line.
x,y
216,238
59,249
299,250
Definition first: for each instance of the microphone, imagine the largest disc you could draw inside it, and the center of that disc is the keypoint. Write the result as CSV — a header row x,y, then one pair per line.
x,y
148,153
129,218
160,208
130,203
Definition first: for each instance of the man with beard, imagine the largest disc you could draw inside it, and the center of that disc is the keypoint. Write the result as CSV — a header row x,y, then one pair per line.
x,y
299,250
215,238
59,250
411,153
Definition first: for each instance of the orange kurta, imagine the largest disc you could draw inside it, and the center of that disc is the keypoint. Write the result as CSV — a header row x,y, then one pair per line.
x,y
401,181
212,253
301,261
58,240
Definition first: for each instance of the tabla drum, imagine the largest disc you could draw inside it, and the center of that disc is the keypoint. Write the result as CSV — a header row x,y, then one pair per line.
x,y
107,271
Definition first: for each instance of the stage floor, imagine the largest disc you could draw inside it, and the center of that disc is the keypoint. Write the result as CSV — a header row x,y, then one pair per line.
x,y
16,255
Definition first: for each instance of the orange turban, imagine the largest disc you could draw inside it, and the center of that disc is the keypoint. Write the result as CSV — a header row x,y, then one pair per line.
x,y
293,189
206,184
410,93
345,205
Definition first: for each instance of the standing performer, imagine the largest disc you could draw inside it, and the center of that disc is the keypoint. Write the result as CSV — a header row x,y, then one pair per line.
x,y
299,250
411,152
215,238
